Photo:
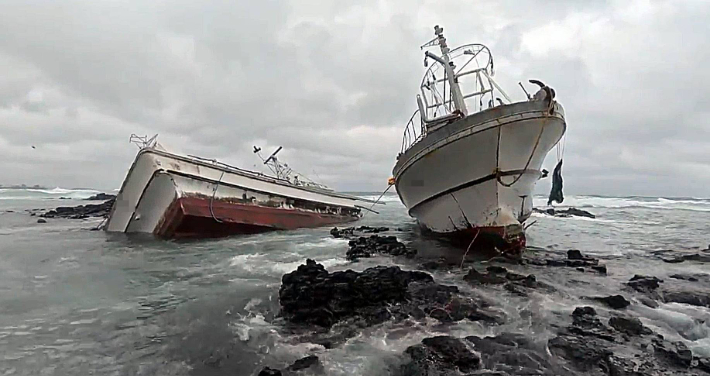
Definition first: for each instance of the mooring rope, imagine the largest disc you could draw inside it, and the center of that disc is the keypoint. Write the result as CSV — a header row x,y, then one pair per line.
x,y
469,248
532,154
214,192
377,201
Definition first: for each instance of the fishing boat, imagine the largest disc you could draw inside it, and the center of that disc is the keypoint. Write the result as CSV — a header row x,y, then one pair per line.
x,y
184,196
470,155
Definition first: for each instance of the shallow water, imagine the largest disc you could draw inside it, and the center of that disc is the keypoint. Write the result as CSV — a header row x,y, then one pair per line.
x,y
76,301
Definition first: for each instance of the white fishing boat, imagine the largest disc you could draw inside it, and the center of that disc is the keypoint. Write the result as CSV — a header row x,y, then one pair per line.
x,y
470,159
177,196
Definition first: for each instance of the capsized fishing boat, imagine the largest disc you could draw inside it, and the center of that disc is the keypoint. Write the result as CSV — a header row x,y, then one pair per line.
x,y
470,160
178,196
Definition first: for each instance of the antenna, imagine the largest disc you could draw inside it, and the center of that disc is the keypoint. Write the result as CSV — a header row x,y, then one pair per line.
x,y
523,87
273,155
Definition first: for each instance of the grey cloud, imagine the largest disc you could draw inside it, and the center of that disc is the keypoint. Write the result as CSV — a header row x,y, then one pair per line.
x,y
334,83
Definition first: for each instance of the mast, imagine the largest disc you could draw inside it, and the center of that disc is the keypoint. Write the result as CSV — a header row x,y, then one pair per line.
x,y
445,60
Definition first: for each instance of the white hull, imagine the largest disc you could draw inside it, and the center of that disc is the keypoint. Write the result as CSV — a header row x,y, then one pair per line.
x,y
455,178
176,196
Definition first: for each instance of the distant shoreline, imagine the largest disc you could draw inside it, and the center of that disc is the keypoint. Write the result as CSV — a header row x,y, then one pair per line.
x,y
22,186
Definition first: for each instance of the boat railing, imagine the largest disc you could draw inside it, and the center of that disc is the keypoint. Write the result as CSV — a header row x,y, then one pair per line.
x,y
239,170
413,132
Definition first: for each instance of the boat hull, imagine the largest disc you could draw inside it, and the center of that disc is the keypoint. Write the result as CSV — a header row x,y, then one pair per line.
x,y
173,196
477,175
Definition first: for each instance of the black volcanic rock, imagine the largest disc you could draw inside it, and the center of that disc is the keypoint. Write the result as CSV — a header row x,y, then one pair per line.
x,y
101,197
349,232
644,283
375,244
514,354
442,355
564,213
267,371
699,298
475,277
677,353
310,362
81,211
613,301
311,295
629,325
575,259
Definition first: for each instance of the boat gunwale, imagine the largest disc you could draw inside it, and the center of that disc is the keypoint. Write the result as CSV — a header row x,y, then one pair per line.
x,y
442,138
248,174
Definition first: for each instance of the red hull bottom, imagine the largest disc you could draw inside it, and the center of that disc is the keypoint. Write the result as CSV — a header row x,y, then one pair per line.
x,y
196,217
506,240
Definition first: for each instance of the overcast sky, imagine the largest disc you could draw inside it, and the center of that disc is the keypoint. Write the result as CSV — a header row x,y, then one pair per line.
x,y
335,81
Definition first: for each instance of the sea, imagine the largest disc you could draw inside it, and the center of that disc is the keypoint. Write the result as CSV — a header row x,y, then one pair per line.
x,y
76,301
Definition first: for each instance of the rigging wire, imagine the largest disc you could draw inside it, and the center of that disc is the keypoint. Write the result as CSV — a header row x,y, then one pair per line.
x,y
214,192
378,200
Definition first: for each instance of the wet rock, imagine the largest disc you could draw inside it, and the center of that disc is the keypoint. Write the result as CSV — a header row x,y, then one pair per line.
x,y
703,256
586,324
475,277
629,325
304,363
270,372
703,364
613,301
310,362
440,264
101,197
515,283
575,259
585,343
575,254
565,213
600,268
349,232
514,354
311,295
375,244
81,211
442,355
699,298
677,353
684,277
628,350
584,354
644,283
41,220
342,233
497,269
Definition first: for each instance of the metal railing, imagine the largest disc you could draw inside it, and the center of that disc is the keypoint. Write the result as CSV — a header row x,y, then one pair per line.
x,y
413,132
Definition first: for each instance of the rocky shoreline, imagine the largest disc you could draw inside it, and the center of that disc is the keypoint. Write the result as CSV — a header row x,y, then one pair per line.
x,y
604,337
80,211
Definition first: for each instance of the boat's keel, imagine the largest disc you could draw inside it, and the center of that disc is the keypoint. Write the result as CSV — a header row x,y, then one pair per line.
x,y
506,240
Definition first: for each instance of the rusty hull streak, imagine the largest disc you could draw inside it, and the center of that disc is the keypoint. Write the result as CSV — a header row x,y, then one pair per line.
x,y
191,217
488,239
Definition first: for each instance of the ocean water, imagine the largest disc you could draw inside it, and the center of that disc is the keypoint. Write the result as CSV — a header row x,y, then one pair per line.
x,y
74,301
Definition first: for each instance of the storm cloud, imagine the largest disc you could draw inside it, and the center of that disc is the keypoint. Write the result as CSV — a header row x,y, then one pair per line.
x,y
334,83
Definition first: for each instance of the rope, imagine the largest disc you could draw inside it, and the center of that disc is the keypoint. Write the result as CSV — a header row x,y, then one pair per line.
x,y
378,200
214,192
99,226
539,136
469,248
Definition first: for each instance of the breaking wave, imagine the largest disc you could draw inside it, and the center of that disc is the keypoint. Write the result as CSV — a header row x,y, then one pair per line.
x,y
45,194
684,203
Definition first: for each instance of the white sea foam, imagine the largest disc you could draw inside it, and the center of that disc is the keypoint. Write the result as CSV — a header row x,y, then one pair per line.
x,y
43,194
259,263
630,202
540,215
